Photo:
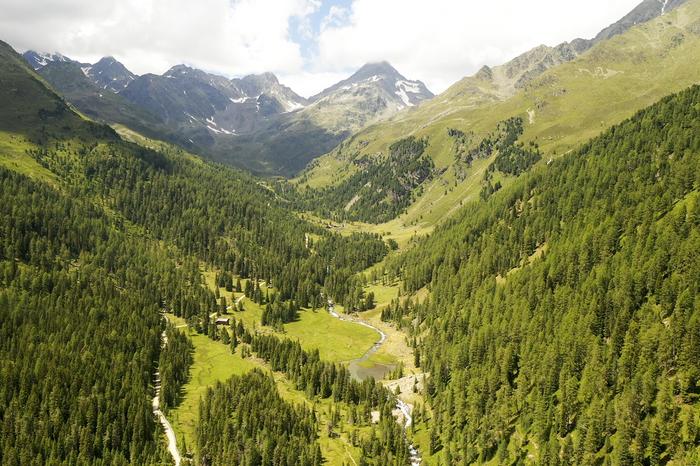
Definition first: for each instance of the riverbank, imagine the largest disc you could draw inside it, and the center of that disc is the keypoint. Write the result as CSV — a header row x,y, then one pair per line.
x,y
403,411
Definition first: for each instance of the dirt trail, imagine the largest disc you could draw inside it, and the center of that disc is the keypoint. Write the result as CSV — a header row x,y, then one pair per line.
x,y
169,432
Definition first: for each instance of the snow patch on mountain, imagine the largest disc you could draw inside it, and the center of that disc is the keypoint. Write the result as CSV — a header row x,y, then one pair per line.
x,y
213,126
403,88
290,106
410,86
192,118
40,59
49,57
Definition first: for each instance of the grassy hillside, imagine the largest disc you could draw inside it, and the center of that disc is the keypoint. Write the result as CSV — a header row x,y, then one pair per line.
x,y
563,107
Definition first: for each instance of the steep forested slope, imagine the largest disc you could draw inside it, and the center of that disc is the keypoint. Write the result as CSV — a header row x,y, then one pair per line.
x,y
381,190
79,301
563,325
79,326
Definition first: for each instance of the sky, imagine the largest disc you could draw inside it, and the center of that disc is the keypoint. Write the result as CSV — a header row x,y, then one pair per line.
x,y
308,44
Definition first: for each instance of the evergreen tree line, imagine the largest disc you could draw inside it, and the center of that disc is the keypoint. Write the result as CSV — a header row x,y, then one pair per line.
x,y
244,421
316,377
565,310
174,364
384,445
79,331
277,313
464,156
381,188
512,157
220,215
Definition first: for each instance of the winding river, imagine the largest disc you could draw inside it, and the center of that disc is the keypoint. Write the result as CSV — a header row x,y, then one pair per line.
x,y
378,371
358,370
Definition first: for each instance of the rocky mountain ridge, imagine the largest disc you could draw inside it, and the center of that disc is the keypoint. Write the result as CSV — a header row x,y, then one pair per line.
x,y
254,121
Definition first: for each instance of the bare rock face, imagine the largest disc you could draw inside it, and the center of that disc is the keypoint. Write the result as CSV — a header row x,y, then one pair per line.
x,y
254,121
645,11
109,74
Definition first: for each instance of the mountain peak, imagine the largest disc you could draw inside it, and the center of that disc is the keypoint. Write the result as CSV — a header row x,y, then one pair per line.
x,y
382,64
109,60
484,74
378,81
380,68
261,80
40,59
253,85
178,70
109,73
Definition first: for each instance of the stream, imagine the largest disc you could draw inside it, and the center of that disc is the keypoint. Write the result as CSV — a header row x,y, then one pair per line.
x,y
358,370
378,371
169,432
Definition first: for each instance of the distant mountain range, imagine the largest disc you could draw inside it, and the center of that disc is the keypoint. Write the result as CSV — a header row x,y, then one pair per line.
x,y
253,122
38,60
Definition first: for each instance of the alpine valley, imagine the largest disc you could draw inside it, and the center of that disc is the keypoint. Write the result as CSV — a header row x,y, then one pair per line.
x,y
205,270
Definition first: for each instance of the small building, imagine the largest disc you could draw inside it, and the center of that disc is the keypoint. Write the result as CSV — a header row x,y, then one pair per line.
x,y
222,321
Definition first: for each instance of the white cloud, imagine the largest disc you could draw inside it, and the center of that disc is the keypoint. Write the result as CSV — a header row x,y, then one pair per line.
x,y
308,83
231,37
337,16
440,41
437,41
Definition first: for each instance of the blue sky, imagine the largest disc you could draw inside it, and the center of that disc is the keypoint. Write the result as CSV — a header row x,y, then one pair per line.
x,y
309,44
305,31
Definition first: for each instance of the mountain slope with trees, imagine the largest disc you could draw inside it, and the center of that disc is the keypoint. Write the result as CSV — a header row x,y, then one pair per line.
x,y
563,105
551,318
245,421
564,320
